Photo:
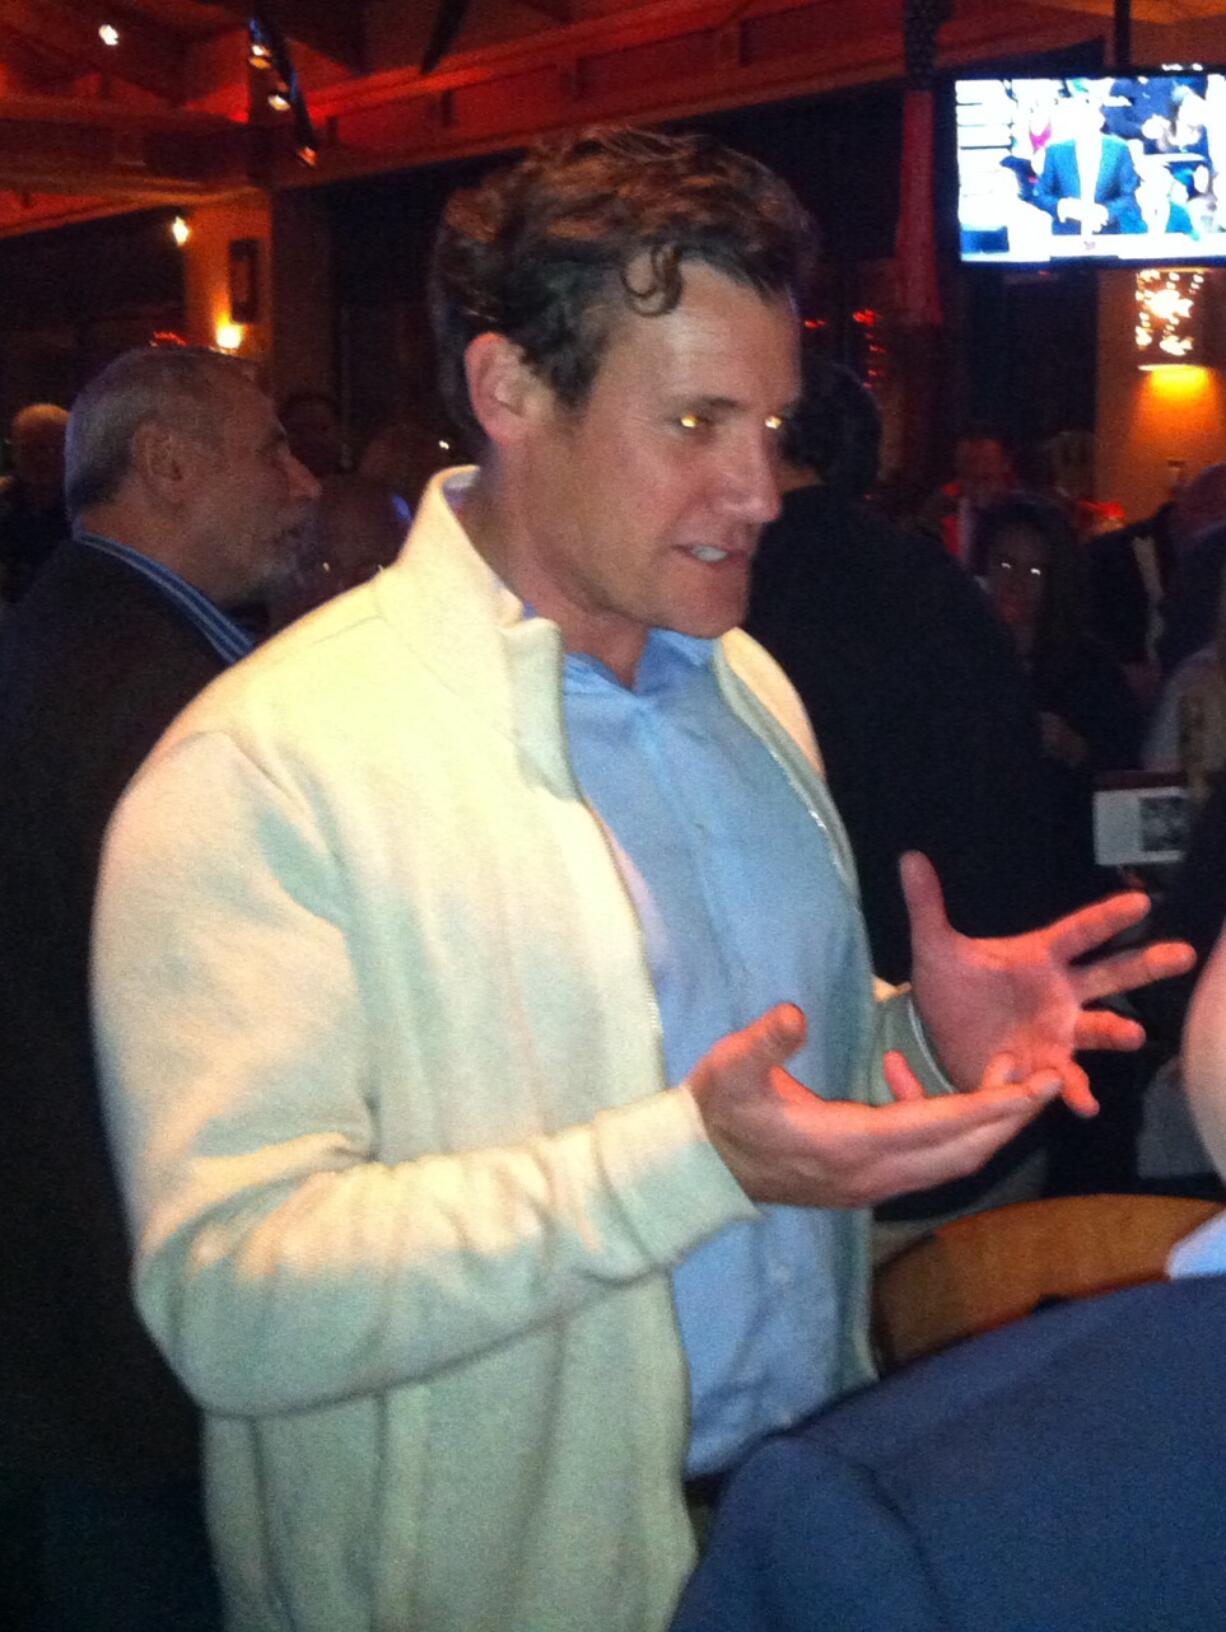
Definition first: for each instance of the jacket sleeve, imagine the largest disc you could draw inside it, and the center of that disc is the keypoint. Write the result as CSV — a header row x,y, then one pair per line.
x,y
279,1263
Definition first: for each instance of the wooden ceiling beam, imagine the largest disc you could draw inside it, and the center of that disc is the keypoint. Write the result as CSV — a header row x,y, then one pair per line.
x,y
148,55
53,145
334,29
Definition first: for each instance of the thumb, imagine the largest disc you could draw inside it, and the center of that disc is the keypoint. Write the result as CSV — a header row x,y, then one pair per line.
x,y
925,900
774,1036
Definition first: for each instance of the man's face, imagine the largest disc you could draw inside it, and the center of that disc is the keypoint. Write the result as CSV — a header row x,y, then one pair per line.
x,y
1017,577
643,507
982,469
1085,119
248,496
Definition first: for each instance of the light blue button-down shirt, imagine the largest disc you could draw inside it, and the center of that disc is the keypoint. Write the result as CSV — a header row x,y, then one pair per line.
x,y
741,908
1201,1253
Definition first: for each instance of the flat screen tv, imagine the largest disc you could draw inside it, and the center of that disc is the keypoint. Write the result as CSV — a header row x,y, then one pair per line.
x,y
1093,169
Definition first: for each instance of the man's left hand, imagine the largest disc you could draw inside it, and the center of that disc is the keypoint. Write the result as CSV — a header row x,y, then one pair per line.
x,y
1025,994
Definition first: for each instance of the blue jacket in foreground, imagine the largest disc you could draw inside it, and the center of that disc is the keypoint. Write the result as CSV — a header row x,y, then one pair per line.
x,y
1063,1474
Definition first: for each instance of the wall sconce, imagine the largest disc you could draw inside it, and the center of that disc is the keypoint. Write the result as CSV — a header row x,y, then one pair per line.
x,y
180,230
1170,329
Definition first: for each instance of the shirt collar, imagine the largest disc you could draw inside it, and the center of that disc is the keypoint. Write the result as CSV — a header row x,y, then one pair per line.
x,y
227,638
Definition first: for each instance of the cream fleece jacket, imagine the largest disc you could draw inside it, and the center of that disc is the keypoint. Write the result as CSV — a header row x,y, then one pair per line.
x,y
385,1086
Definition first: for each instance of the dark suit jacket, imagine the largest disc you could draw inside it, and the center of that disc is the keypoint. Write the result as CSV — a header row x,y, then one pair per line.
x,y
1115,186
1120,608
94,664
921,712
1190,612
1062,1475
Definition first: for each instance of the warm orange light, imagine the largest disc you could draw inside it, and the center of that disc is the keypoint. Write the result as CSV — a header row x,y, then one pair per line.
x,y
1178,379
180,231
229,336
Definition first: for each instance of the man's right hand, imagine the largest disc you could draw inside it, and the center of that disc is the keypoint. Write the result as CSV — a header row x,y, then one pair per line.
x,y
783,1144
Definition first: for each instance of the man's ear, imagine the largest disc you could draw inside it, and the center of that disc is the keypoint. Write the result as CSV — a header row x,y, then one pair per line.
x,y
502,388
158,458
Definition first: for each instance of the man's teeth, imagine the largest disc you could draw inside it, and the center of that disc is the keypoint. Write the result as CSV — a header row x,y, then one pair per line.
x,y
708,552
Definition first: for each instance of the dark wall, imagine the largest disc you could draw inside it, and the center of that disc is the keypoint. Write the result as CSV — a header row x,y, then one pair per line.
x,y
71,300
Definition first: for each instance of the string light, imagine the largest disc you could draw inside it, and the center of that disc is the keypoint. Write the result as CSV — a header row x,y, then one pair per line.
x,y
278,101
180,230
1169,313
108,34
258,55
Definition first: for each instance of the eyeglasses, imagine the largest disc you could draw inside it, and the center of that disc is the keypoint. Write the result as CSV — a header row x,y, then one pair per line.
x,y
1005,564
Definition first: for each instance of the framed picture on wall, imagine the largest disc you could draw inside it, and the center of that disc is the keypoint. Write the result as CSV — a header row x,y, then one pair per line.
x,y
244,280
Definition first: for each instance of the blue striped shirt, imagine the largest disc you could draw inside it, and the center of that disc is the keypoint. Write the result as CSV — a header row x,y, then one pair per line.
x,y
227,639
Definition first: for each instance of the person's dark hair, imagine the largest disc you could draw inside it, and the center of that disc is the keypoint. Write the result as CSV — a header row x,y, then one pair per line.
x,y
177,385
1064,610
546,251
835,429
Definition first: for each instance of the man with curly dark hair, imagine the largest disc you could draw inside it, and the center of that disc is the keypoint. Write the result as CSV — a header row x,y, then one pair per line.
x,y
441,955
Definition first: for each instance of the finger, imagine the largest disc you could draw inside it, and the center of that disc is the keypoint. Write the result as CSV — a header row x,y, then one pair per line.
x,y
1077,1093
1099,1028
961,1151
899,1077
773,1037
1082,931
1125,971
925,900
930,1122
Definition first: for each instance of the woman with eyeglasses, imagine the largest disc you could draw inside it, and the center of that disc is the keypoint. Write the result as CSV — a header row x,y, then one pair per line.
x,y
1088,716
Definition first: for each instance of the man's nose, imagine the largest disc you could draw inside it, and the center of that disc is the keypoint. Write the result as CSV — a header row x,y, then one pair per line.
x,y
302,485
752,484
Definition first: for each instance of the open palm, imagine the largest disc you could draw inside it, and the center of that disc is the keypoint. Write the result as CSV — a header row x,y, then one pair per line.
x,y
1026,994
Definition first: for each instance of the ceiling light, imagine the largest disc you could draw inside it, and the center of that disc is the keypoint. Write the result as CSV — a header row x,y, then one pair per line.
x,y
108,34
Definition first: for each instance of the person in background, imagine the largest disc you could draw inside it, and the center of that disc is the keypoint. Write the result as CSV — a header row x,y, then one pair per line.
x,y
903,671
406,452
448,957
1187,734
1157,209
181,491
1088,716
32,518
1199,531
316,432
1088,184
983,473
354,530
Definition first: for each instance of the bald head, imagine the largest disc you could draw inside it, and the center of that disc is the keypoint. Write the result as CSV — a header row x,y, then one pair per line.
x,y
36,440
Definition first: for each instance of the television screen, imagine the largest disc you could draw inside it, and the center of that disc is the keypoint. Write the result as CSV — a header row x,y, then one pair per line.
x,y
1130,170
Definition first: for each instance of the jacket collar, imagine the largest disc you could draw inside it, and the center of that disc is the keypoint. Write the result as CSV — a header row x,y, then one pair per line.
x,y
446,602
